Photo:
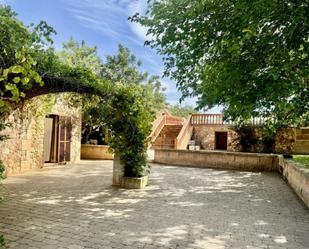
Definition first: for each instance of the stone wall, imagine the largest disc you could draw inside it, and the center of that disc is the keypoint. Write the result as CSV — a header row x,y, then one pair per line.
x,y
297,176
24,149
284,140
217,159
96,152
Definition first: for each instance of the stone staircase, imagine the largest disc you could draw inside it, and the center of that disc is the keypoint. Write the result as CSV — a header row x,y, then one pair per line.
x,y
301,145
167,136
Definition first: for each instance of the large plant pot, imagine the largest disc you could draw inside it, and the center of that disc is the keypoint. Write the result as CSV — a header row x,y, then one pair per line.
x,y
126,182
134,182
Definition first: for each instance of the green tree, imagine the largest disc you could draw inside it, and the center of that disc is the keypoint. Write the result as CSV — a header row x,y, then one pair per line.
x,y
181,111
19,46
124,68
128,116
80,55
251,57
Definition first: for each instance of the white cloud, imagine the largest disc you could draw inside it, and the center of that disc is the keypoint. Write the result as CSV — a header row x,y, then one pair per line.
x,y
139,6
110,17
107,17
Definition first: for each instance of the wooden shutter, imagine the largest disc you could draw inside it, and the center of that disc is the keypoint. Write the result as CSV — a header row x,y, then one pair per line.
x,y
65,131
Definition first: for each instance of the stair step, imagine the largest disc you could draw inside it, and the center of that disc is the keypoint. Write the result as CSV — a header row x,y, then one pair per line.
x,y
167,136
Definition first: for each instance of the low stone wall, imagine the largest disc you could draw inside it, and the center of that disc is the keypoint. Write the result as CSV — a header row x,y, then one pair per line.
x,y
218,159
294,173
96,152
297,176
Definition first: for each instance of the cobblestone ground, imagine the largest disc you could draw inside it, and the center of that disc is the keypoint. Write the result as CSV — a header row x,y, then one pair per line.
x,y
76,207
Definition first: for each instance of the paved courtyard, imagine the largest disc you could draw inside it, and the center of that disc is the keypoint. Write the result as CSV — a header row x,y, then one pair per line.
x,y
76,207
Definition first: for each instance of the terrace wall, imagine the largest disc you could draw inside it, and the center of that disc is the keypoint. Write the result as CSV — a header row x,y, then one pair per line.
x,y
295,174
217,159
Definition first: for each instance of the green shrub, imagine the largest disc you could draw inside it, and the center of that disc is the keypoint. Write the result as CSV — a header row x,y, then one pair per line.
x,y
246,137
129,120
250,139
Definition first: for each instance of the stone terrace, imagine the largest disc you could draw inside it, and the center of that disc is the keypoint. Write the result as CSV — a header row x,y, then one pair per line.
x,y
76,207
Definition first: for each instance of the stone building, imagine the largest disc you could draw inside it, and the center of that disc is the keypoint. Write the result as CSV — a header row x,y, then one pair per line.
x,y
211,132
46,129
215,137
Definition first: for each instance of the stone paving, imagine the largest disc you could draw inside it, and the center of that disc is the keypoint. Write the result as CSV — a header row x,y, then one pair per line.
x,y
76,207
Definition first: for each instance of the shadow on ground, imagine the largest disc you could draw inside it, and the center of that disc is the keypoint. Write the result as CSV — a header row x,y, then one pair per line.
x,y
76,207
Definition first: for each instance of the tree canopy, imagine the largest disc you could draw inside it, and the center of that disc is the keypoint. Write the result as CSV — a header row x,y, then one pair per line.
x,y
251,57
181,111
30,67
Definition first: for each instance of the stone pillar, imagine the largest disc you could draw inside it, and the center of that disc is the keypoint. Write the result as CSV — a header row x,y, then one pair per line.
x,y
118,172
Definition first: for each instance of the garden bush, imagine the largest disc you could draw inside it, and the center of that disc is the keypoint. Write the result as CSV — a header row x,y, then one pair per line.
x,y
128,118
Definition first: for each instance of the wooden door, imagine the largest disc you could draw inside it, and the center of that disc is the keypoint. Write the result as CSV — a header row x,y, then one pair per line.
x,y
221,140
48,135
65,131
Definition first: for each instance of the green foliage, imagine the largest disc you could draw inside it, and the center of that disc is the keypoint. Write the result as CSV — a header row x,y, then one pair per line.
x,y
128,118
251,57
181,111
125,107
121,68
27,58
124,68
253,139
19,47
304,160
80,55
247,138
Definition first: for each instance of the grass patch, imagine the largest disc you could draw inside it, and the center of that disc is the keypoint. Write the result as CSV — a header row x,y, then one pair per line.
x,y
304,160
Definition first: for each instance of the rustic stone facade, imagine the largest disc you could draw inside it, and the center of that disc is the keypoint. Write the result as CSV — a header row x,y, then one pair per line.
x,y
24,149
284,140
204,135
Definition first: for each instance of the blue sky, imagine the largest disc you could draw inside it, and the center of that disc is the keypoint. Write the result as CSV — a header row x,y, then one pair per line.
x,y
101,23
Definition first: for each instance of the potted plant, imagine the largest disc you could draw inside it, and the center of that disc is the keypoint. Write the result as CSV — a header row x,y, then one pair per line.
x,y
129,117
